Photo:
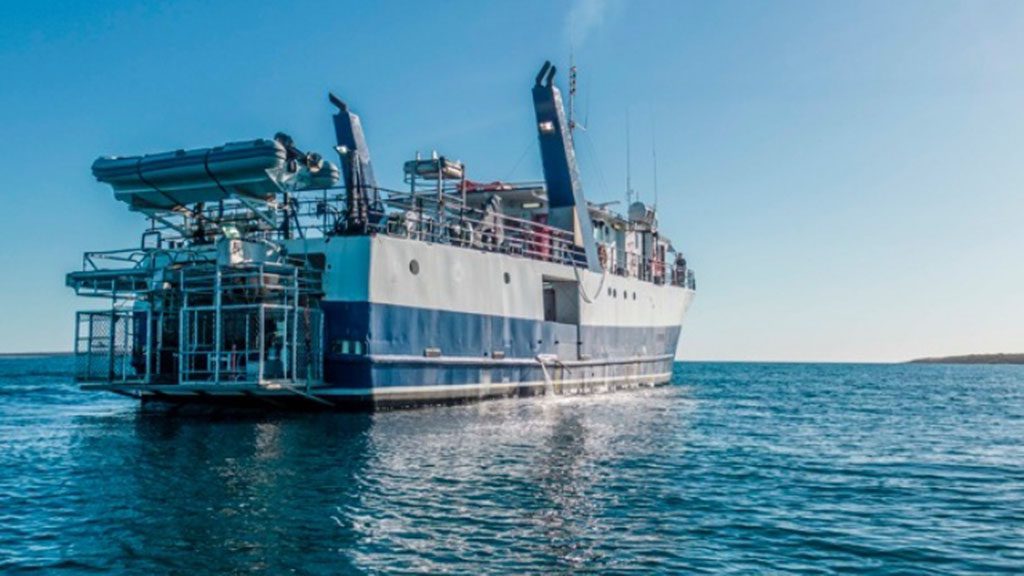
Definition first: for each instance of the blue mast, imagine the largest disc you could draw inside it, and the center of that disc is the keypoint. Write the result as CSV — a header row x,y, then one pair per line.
x,y
348,132
356,168
567,207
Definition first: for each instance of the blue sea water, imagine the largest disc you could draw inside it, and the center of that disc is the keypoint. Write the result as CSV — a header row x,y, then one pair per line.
x,y
735,468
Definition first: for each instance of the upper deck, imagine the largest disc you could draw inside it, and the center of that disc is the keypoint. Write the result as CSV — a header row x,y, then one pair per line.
x,y
271,191
470,217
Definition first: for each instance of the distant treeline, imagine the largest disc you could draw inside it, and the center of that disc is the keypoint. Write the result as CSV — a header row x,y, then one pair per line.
x,y
974,359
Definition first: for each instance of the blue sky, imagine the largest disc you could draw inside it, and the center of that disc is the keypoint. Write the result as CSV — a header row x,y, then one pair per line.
x,y
845,177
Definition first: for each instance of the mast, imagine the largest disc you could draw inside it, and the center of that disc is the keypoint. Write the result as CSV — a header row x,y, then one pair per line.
x,y
572,94
573,124
356,168
567,206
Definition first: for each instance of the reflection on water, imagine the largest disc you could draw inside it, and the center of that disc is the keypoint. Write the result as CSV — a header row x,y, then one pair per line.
x,y
414,490
738,467
243,493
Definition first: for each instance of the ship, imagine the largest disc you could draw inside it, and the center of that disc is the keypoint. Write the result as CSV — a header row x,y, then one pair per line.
x,y
268,275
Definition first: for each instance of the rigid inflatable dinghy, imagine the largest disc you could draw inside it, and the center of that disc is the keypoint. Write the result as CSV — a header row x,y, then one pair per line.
x,y
254,169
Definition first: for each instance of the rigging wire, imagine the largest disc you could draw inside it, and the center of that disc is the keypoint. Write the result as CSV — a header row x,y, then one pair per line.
x,y
592,152
529,146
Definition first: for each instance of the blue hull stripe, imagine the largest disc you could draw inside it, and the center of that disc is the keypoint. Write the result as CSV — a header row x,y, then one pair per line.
x,y
384,330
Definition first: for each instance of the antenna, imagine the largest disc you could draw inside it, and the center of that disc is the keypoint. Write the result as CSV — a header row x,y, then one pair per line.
x,y
629,181
572,95
572,92
654,158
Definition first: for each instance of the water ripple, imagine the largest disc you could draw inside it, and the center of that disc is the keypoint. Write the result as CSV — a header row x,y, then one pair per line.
x,y
736,468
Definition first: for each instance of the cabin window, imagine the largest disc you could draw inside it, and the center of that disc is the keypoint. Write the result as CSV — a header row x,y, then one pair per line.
x,y
508,278
414,267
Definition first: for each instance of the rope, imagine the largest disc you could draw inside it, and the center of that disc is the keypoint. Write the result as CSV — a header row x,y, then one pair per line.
x,y
529,146
579,285
206,167
138,172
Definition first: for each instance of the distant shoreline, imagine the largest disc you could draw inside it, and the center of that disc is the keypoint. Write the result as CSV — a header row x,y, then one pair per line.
x,y
973,359
33,354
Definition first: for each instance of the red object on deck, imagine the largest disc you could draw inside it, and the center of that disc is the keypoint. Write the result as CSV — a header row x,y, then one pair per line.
x,y
540,239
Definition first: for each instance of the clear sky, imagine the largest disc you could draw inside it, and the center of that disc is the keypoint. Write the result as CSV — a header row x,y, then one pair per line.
x,y
845,177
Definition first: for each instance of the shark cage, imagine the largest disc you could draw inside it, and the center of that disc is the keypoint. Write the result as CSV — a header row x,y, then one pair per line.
x,y
210,301
239,315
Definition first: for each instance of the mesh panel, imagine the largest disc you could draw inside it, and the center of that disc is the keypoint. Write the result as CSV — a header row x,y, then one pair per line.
x,y
107,350
258,343
308,357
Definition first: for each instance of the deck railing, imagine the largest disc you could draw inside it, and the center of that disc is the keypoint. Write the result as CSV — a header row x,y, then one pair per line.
x,y
444,217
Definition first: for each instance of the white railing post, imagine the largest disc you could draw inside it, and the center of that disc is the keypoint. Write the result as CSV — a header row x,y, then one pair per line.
x,y
262,342
295,323
182,325
216,326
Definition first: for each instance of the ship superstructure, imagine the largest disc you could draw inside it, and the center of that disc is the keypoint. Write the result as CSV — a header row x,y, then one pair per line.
x,y
260,279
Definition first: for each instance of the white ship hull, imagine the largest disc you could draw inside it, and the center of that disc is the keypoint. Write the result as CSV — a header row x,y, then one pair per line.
x,y
471,324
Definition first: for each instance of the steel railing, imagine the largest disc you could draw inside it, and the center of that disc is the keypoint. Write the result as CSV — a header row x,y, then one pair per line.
x,y
442,217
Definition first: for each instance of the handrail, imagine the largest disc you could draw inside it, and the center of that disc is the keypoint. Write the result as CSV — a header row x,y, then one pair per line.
x,y
421,215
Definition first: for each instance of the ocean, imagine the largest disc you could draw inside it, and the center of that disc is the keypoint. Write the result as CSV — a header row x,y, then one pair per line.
x,y
734,468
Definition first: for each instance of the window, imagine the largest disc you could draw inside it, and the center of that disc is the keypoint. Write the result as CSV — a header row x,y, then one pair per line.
x,y
414,267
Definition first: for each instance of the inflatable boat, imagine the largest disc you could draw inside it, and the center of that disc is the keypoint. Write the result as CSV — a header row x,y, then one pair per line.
x,y
253,169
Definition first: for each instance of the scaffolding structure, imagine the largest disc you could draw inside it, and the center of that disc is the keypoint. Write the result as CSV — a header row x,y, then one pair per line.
x,y
203,321
250,324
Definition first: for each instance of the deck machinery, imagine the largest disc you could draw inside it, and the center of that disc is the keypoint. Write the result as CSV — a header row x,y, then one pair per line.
x,y
259,279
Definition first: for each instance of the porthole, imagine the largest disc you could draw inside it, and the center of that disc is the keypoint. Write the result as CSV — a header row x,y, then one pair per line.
x,y
414,267
508,278
634,295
